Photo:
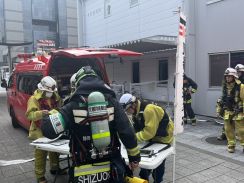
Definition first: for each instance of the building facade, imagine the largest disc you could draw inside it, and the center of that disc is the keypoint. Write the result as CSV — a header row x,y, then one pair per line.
x,y
149,27
33,20
215,42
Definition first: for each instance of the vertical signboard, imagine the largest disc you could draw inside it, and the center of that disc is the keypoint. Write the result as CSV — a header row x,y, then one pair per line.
x,y
180,56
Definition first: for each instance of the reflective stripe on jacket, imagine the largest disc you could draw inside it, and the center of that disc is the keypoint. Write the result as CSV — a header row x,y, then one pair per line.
x,y
189,87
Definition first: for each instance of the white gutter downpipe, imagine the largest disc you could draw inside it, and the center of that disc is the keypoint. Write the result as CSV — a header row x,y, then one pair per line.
x,y
81,24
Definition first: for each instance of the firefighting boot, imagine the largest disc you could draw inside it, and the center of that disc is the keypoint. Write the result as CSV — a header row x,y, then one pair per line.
x,y
231,149
42,180
193,122
185,121
222,137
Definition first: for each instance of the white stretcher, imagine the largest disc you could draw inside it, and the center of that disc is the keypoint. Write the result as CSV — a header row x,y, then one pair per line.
x,y
152,156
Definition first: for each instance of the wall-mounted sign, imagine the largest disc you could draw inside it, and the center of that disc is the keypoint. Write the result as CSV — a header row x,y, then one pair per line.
x,y
45,45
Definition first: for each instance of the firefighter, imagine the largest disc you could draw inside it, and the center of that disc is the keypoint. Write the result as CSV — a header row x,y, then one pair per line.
x,y
95,121
44,99
231,105
151,123
189,87
240,116
240,71
4,83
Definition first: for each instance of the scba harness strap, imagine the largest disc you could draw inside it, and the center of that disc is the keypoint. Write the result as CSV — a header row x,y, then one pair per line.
x,y
97,116
91,128
95,149
81,115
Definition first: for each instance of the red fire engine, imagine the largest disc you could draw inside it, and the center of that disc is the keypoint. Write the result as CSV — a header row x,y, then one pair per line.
x,y
60,65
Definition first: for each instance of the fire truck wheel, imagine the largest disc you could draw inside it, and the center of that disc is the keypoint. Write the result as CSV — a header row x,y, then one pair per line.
x,y
14,121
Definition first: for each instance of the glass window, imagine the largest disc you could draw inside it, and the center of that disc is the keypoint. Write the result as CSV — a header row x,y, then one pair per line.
x,y
236,58
21,84
44,10
163,70
107,8
11,81
217,66
136,72
28,83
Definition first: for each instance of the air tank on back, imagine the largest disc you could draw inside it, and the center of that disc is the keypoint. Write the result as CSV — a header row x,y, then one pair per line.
x,y
97,109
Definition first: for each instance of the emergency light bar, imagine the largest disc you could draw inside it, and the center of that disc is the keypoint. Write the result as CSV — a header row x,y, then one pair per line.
x,y
25,56
40,56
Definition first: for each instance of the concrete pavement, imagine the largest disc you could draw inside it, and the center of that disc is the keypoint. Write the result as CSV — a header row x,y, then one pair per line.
x,y
200,161
196,160
199,135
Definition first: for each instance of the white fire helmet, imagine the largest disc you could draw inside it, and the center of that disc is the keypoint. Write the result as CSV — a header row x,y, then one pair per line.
x,y
72,81
126,100
239,68
231,72
47,84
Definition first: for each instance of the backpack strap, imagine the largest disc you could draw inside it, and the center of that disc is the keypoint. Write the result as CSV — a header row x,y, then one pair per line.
x,y
81,115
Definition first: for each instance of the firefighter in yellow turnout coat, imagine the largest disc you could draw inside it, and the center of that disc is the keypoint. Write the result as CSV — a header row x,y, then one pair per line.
x,y
231,105
44,99
151,123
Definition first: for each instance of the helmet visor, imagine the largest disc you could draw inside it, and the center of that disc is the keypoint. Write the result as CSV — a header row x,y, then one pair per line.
x,y
128,104
47,88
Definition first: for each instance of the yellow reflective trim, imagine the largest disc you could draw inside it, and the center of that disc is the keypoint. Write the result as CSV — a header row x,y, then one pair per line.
x,y
102,163
100,135
83,167
188,101
193,90
90,165
133,152
227,115
33,115
139,136
92,172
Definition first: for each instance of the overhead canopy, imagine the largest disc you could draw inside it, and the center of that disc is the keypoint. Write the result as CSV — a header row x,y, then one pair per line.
x,y
149,44
93,52
15,44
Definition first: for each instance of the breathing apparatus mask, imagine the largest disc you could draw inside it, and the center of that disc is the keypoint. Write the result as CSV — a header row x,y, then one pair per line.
x,y
48,94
